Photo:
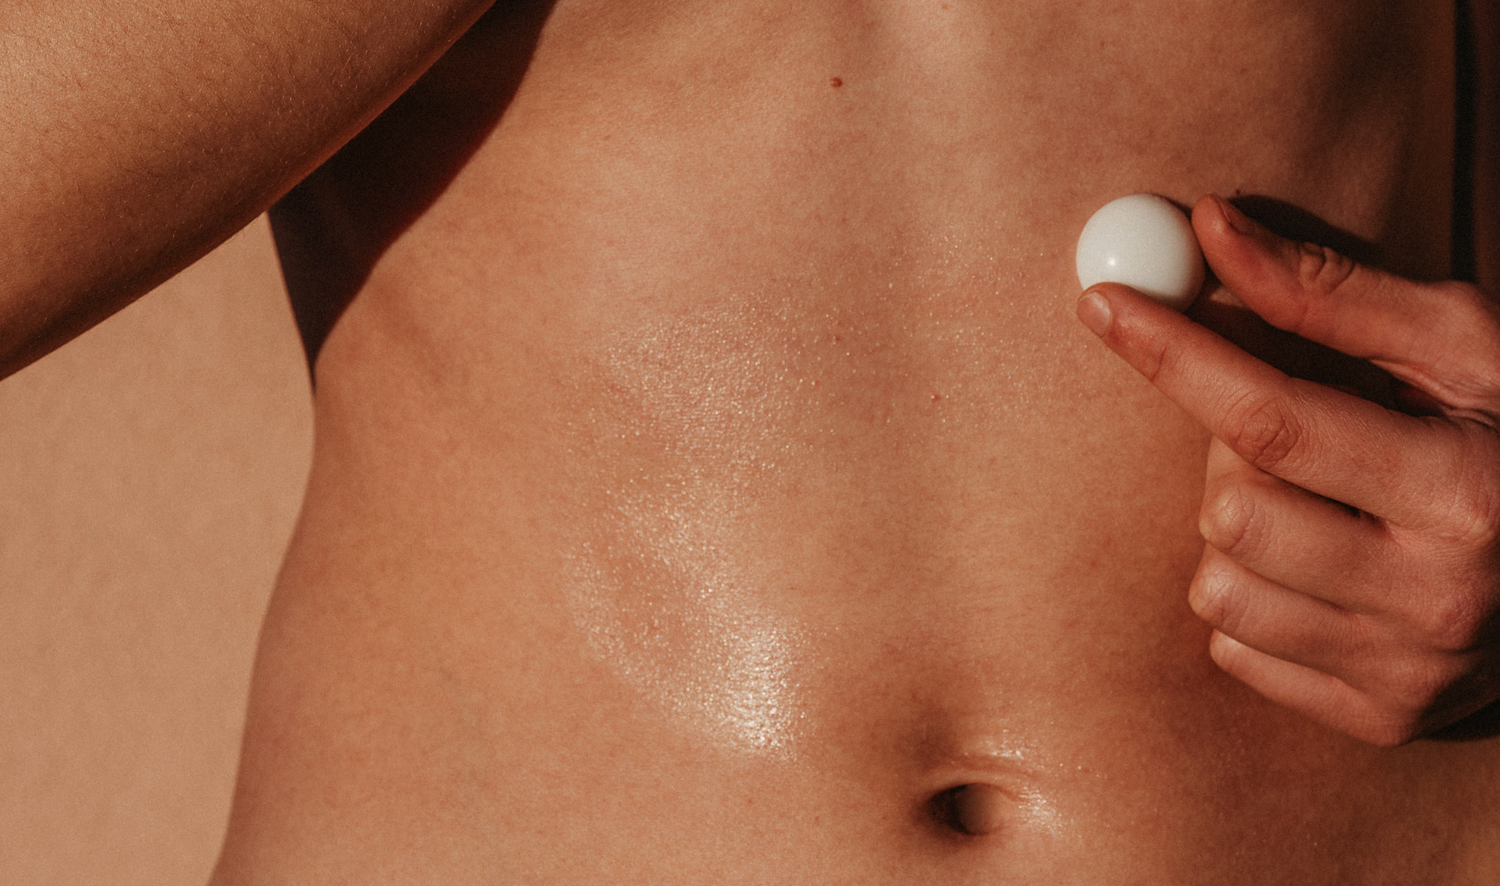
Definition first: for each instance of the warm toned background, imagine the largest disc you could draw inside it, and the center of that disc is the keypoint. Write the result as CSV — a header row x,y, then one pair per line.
x,y
150,473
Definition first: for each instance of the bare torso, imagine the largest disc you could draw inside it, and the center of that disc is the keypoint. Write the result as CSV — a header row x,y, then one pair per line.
x,y
710,472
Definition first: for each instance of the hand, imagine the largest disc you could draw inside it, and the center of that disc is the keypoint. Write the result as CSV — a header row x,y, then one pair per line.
x,y
1352,567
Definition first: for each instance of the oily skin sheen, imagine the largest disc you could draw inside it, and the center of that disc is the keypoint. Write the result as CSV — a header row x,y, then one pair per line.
x,y
713,484
711,473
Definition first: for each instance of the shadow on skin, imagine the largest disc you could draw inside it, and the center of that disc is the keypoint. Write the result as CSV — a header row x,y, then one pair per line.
x,y
331,230
1483,723
1301,358
333,227
974,810
1296,356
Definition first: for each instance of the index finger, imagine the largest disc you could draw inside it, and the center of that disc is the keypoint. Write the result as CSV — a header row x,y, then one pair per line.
x,y
1334,444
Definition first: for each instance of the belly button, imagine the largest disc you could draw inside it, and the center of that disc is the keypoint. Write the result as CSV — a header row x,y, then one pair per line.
x,y
973,809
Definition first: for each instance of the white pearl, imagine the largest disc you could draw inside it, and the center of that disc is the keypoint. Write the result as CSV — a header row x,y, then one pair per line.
x,y
1146,243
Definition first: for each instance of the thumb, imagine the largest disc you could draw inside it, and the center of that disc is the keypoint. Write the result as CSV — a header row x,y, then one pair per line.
x,y
1441,338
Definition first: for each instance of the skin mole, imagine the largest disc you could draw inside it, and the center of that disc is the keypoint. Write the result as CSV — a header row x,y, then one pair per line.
x,y
973,809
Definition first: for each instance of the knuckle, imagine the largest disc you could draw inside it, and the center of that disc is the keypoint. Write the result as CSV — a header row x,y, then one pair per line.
x,y
1469,307
1264,432
1397,714
1424,684
1212,596
1320,269
1156,356
1454,621
1231,521
1464,364
1468,302
1476,516
1409,683
1389,730
1374,717
1483,345
1470,517
1467,369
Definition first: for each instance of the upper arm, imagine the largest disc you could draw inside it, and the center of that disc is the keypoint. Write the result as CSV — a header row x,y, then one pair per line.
x,y
134,137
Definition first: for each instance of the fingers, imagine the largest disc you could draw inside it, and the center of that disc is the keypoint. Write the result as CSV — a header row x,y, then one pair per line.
x,y
1288,573
1323,440
1320,696
1276,620
1441,338
1382,634
1353,562
1293,538
1367,675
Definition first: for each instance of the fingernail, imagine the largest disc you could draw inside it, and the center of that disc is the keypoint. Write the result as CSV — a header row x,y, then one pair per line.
x,y
1095,312
1237,220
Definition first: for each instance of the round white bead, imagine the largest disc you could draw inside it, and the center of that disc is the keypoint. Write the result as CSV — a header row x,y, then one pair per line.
x,y
1146,243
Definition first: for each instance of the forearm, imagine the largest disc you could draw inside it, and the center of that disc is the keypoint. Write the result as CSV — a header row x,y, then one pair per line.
x,y
135,136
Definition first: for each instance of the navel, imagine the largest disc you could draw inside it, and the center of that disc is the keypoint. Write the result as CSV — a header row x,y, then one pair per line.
x,y
975,809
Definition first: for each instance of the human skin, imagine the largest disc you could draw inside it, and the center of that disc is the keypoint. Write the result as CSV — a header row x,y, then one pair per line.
x,y
152,472
711,477
137,136
1353,562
